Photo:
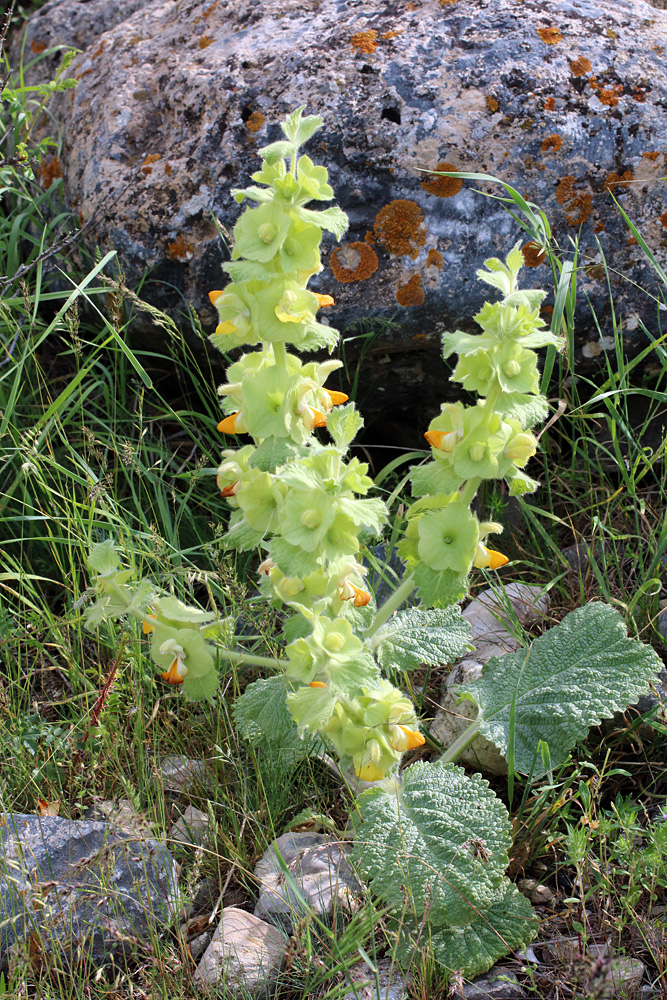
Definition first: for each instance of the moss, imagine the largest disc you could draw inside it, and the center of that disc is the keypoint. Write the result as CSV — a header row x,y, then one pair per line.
x,y
550,36
443,187
580,66
552,142
399,227
365,41
255,121
353,262
411,294
434,259
533,254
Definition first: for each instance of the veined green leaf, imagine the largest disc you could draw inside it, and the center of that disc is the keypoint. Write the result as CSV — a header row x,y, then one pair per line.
x,y
343,424
581,671
443,836
416,636
262,718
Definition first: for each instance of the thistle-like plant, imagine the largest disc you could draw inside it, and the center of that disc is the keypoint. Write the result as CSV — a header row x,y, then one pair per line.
x,y
431,830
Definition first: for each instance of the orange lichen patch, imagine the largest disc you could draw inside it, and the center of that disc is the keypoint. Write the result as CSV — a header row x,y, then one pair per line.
x,y
615,180
533,254
255,121
209,10
98,51
434,259
606,95
447,3
663,219
443,187
491,103
653,155
552,142
550,104
49,171
365,41
353,262
631,241
205,41
420,338
387,35
399,227
146,165
578,205
168,169
180,249
639,94
38,47
599,226
369,237
547,310
550,36
580,66
411,294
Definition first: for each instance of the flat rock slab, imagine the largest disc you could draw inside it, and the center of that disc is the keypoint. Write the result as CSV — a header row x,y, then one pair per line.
x,y
321,879
491,615
567,101
81,889
244,957
499,983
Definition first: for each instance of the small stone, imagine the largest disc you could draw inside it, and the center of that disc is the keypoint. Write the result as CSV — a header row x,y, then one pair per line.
x,y
120,814
192,828
526,885
184,774
198,946
626,974
391,983
244,957
541,895
499,983
320,872
88,892
661,623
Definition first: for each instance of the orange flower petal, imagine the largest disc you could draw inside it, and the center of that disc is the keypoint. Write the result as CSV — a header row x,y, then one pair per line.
x,y
434,438
415,738
214,296
172,676
228,425
147,627
497,559
336,397
324,300
316,684
229,491
361,597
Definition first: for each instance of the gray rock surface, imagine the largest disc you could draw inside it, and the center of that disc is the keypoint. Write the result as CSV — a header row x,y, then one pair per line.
x,y
499,983
567,101
185,774
244,956
389,984
193,827
491,615
87,891
322,879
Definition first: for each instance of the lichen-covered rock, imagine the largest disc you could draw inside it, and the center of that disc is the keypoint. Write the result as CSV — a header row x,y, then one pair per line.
x,y
566,101
81,890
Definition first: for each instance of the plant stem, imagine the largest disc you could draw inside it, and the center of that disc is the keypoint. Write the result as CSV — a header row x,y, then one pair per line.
x,y
235,656
280,354
391,604
459,745
468,492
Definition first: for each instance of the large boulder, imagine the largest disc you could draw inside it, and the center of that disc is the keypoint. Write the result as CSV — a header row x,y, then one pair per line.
x,y
566,101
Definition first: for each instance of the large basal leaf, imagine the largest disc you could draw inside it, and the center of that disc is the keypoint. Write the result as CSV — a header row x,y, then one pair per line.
x,y
437,845
439,588
262,718
581,671
505,925
415,636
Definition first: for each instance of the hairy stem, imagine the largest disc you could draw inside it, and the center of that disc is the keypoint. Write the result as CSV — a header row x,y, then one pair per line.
x,y
391,604
459,745
235,656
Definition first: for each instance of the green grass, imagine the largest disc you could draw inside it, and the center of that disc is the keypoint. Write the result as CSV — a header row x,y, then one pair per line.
x,y
95,441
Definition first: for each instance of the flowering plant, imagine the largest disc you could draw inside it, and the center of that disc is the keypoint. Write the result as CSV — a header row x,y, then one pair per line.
x,y
305,503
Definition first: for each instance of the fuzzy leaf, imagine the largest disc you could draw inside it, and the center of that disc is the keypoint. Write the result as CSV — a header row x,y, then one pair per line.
x,y
334,220
343,424
581,671
528,410
439,588
262,719
201,688
415,636
248,270
371,513
507,924
103,558
442,836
